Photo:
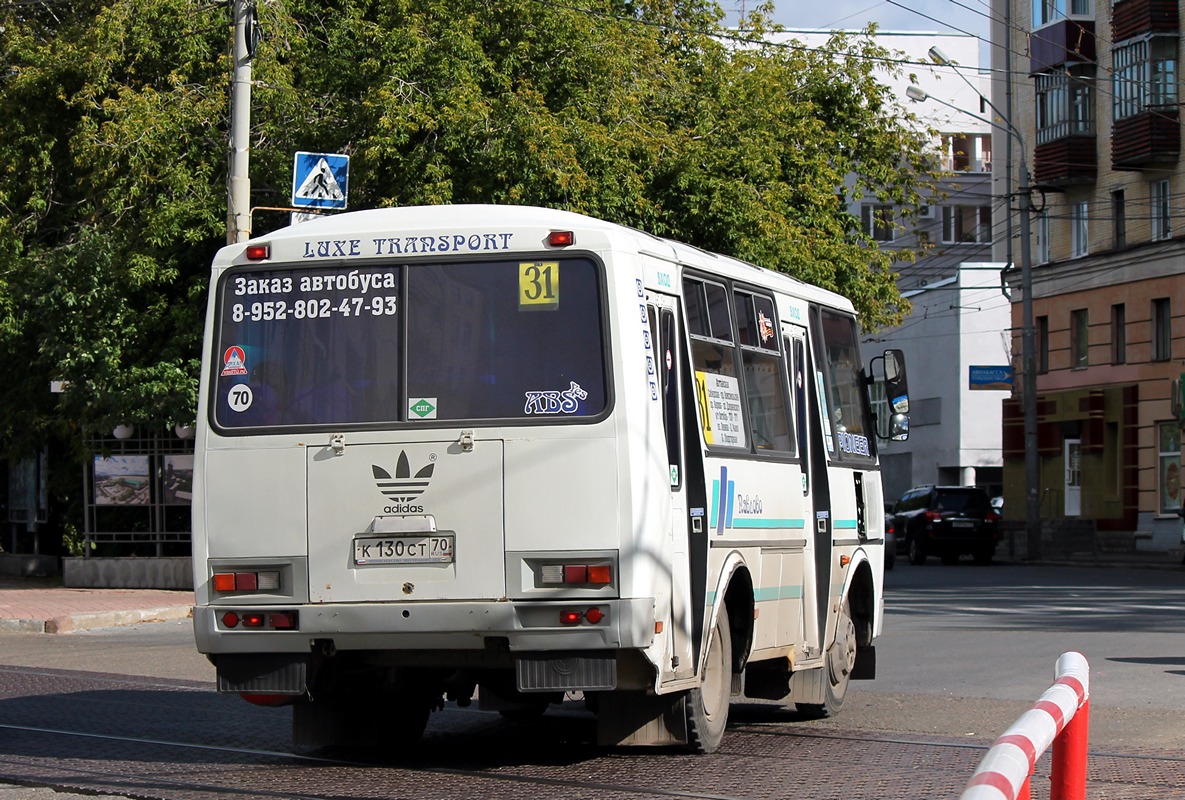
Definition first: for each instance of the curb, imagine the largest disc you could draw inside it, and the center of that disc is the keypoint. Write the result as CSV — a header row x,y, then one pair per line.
x,y
101,619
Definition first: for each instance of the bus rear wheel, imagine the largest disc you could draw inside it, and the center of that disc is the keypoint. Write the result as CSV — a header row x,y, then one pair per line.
x,y
841,659
707,706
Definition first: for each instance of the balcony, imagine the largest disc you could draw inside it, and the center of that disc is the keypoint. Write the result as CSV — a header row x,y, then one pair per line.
x,y
1070,41
1149,140
1069,161
965,164
1131,18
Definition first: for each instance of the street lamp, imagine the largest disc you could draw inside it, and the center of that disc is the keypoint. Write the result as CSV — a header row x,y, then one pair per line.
x,y
1028,351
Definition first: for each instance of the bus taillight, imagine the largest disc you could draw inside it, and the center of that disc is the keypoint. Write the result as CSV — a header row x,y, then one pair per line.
x,y
265,581
575,574
561,239
258,252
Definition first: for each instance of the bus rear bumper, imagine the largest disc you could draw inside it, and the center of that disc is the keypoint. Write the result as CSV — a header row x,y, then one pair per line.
x,y
624,624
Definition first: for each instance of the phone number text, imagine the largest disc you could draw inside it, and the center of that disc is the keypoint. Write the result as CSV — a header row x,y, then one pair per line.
x,y
316,308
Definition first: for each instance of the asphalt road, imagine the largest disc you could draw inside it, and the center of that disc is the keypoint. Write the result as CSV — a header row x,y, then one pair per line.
x,y
964,652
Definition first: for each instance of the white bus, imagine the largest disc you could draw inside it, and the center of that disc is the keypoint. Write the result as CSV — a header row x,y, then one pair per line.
x,y
522,454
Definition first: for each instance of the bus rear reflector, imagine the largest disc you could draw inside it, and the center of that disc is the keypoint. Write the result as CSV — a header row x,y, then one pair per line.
x,y
267,620
594,615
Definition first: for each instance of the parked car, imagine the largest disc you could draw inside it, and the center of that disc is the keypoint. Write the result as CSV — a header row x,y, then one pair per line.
x,y
890,540
946,521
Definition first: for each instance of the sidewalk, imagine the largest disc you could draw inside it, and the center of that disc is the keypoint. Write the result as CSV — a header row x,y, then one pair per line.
x,y
43,605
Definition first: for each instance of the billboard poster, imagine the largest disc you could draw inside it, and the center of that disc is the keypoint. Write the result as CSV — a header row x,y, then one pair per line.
x,y
176,480
122,481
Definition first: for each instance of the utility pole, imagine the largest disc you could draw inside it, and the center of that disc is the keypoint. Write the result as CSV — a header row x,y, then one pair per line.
x,y
1029,379
238,182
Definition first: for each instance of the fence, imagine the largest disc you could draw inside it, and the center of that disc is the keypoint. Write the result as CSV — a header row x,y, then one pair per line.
x,y
1061,718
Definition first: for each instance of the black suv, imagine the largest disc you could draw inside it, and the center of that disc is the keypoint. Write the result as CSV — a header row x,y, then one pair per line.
x,y
946,521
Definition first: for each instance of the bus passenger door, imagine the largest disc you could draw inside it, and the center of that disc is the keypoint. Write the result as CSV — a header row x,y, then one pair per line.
x,y
810,409
686,512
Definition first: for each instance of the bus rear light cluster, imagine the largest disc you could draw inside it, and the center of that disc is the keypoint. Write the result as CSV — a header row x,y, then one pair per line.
x,y
573,617
260,620
575,574
259,252
226,582
561,239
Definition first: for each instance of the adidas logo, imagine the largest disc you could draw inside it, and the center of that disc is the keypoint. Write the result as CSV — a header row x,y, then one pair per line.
x,y
403,487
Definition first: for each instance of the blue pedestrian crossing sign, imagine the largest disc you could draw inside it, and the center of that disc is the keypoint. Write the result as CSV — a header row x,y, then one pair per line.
x,y
320,180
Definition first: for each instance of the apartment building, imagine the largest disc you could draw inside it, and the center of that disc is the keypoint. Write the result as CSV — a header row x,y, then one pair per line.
x,y
1091,90
960,316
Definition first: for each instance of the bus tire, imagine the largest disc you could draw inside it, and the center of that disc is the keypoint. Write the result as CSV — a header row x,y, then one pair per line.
x,y
841,659
707,706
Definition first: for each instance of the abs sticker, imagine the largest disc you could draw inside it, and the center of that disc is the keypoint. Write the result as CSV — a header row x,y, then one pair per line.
x,y
555,402
234,361
239,397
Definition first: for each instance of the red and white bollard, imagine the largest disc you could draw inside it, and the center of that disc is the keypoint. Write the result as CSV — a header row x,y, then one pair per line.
x,y
1060,718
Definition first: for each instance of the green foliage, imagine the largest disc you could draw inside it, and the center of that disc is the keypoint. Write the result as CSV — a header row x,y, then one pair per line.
x,y
645,112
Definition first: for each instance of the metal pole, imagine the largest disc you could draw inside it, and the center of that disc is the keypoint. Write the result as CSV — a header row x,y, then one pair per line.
x,y
1029,369
238,183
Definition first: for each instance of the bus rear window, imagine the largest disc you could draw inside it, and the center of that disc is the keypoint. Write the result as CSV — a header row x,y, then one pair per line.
x,y
409,343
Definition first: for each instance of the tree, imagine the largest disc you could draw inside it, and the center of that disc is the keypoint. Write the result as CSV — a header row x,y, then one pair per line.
x,y
647,112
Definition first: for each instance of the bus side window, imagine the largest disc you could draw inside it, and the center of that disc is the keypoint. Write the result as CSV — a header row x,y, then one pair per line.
x,y
798,380
669,369
714,362
765,383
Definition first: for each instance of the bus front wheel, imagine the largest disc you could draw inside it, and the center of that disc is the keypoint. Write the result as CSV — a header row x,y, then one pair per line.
x,y
707,706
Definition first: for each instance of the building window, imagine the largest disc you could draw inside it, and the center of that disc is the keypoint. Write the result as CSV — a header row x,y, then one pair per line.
x,y
1079,231
1145,75
1162,336
1042,353
1079,339
1158,195
967,152
967,224
1041,256
1119,217
1118,334
1065,106
877,221
1046,12
1169,448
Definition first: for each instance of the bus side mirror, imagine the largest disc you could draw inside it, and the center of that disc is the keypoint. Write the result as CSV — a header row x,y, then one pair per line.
x,y
892,369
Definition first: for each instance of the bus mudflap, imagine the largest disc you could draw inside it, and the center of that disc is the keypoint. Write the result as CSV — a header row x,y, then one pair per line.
x,y
640,718
551,672
270,673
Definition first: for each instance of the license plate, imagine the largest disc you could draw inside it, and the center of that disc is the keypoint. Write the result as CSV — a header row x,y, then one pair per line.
x,y
426,549
962,523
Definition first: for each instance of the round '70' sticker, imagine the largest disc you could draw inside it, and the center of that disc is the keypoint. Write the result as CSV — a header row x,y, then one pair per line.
x,y
239,397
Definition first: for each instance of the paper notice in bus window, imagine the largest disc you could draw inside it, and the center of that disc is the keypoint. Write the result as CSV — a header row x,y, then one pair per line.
x,y
719,398
539,285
